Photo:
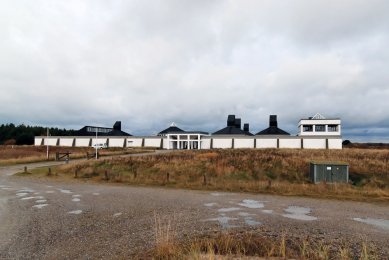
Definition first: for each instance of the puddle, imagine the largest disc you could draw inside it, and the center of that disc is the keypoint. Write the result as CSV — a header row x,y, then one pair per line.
x,y
21,194
76,196
25,190
75,199
50,191
245,214
39,206
251,222
223,221
96,193
27,198
40,201
228,209
65,191
252,204
78,211
210,204
218,194
299,213
117,214
381,223
267,211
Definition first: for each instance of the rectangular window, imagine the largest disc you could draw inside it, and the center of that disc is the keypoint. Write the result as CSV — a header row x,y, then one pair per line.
x,y
307,128
320,128
332,128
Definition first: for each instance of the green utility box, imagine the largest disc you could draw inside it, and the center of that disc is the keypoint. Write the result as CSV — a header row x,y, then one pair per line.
x,y
329,172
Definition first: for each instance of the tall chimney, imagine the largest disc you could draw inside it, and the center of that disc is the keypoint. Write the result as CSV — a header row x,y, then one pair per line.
x,y
237,123
117,126
273,121
246,127
231,120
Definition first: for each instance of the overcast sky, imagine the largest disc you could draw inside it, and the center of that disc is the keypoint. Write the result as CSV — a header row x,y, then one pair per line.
x,y
70,63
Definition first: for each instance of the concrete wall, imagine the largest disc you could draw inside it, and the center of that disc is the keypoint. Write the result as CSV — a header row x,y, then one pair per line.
x,y
116,141
243,143
335,144
38,140
222,143
51,140
205,143
267,143
82,141
102,140
66,141
153,142
313,143
134,142
294,143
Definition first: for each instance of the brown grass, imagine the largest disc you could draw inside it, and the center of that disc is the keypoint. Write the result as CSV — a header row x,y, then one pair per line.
x,y
250,244
16,154
283,172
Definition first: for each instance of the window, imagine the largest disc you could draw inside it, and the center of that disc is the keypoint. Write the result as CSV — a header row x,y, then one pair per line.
x,y
320,128
307,128
332,128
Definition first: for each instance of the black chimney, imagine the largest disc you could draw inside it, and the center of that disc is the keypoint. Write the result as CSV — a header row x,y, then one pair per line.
x,y
117,126
237,123
231,120
273,121
246,127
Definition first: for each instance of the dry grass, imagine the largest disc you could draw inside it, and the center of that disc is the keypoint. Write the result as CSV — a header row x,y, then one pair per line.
x,y
283,172
249,245
16,154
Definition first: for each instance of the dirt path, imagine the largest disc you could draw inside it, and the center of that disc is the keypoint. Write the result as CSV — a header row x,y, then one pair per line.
x,y
41,219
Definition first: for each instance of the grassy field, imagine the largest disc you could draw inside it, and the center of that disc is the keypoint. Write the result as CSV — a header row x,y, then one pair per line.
x,y
283,172
16,154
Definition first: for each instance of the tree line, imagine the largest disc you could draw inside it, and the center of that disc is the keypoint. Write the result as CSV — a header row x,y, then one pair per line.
x,y
22,134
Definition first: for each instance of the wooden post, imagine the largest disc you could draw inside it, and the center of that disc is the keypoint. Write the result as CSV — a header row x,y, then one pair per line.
x,y
76,173
204,179
135,174
25,169
167,177
49,172
106,175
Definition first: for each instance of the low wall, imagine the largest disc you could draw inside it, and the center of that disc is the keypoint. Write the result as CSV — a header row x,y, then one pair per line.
x,y
207,142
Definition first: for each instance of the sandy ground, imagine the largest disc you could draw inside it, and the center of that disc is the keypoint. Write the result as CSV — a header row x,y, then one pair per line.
x,y
43,219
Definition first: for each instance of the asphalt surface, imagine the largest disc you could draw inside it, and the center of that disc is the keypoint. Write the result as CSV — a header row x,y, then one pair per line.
x,y
45,219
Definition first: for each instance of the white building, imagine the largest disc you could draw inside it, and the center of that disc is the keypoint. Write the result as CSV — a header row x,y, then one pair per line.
x,y
318,125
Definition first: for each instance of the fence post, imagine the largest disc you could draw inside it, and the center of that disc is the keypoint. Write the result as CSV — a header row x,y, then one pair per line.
x,y
204,179
106,175
25,169
49,172
167,177
76,173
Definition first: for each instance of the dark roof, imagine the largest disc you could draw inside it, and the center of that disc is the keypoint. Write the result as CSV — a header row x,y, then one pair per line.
x,y
171,129
231,130
233,127
118,133
272,130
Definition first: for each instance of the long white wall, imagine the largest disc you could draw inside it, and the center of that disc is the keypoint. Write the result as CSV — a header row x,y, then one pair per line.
x,y
207,142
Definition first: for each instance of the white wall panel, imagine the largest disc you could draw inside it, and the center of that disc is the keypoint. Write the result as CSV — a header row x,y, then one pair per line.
x,y
52,141
82,141
222,143
66,141
101,140
206,143
244,143
335,143
267,143
314,143
153,142
38,141
134,142
294,143
116,142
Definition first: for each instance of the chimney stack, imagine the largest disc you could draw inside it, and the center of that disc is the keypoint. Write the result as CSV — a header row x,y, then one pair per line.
x,y
273,121
231,120
238,123
246,127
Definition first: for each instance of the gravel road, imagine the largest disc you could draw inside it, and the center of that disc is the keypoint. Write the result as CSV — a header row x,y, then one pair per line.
x,y
44,219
